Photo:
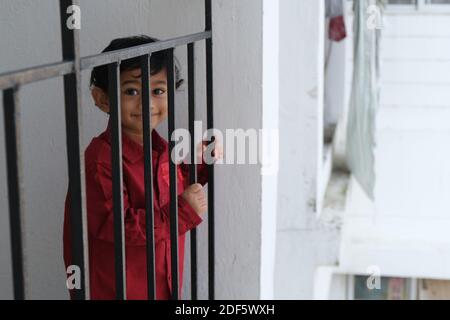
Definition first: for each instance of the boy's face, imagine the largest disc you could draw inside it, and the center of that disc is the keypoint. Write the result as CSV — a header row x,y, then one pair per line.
x,y
131,101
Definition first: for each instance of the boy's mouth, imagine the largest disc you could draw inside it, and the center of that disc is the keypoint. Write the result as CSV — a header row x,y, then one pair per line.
x,y
140,115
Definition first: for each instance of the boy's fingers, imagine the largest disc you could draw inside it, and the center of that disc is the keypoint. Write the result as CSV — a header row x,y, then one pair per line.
x,y
199,186
196,187
201,195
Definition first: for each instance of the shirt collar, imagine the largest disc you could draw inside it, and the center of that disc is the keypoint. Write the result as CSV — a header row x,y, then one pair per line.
x,y
132,150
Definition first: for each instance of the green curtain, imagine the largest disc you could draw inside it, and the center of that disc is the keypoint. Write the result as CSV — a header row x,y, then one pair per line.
x,y
365,93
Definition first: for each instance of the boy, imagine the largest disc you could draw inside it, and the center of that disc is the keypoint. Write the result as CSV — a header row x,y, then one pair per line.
x,y
191,199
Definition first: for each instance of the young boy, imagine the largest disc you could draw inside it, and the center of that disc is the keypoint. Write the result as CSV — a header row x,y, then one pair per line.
x,y
191,199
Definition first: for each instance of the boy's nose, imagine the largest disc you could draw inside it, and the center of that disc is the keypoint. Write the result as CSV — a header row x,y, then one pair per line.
x,y
152,107
155,111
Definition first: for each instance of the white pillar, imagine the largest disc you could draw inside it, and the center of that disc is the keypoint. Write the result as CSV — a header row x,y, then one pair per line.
x,y
301,243
245,87
270,122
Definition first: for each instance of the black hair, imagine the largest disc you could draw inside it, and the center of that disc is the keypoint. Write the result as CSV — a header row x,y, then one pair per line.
x,y
158,61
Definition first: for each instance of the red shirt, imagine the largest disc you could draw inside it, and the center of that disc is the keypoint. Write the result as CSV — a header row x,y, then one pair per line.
x,y
100,217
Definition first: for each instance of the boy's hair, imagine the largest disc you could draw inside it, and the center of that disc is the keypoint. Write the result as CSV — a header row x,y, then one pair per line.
x,y
158,61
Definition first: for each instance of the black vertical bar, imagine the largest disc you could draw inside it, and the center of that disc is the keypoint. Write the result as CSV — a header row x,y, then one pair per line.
x,y
148,176
210,125
193,167
173,177
117,178
14,173
72,96
208,15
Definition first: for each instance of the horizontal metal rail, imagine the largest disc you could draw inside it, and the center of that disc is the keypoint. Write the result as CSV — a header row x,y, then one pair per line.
x,y
53,70
133,52
44,72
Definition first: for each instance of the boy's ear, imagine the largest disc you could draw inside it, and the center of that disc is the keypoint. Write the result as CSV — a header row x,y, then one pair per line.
x,y
100,98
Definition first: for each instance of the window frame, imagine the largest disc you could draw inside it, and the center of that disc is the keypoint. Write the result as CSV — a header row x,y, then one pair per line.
x,y
413,286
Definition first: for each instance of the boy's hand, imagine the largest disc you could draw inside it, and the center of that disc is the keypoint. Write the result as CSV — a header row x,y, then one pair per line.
x,y
212,155
196,198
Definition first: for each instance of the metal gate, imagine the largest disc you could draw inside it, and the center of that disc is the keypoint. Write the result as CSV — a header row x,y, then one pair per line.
x,y
70,68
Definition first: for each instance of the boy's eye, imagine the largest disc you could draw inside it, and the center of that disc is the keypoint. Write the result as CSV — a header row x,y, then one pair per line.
x,y
131,92
158,92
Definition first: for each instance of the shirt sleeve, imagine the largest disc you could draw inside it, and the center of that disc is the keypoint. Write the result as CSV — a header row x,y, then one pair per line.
x,y
101,216
187,217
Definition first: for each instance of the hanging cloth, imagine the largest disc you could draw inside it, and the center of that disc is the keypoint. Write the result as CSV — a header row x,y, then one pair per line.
x,y
364,98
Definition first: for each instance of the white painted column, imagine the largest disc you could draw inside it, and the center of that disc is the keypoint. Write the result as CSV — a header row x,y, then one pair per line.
x,y
270,122
246,96
302,243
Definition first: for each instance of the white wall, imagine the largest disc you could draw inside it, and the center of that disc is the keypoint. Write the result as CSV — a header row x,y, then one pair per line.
x,y
32,41
405,233
270,119
303,241
239,103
